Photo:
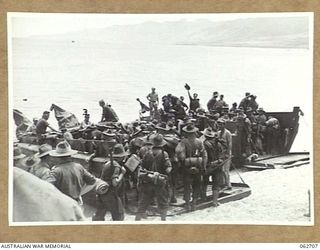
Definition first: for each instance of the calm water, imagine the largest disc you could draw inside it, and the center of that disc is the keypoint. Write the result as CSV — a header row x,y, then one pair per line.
x,y
77,75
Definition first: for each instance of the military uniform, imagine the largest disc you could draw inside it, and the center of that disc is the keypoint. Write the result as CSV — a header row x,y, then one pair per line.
x,y
108,114
244,129
41,129
226,136
273,134
193,156
41,170
194,104
217,155
155,160
153,102
110,200
69,178
211,103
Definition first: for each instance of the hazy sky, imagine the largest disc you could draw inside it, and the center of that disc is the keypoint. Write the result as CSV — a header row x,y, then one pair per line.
x,y
28,24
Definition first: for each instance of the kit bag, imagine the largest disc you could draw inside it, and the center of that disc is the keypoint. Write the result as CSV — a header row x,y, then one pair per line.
x,y
150,162
193,163
133,162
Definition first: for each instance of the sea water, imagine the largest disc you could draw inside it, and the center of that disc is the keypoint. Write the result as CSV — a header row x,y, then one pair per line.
x,y
77,75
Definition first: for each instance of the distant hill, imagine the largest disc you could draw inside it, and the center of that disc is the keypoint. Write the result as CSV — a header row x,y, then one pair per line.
x,y
275,32
256,32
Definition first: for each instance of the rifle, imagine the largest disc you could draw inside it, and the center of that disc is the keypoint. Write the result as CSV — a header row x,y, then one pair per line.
x,y
144,171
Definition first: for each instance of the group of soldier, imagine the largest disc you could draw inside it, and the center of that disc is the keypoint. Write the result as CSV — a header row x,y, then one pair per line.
x,y
259,133
180,144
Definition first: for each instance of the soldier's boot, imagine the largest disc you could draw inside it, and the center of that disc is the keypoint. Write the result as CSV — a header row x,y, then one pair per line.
x,y
215,196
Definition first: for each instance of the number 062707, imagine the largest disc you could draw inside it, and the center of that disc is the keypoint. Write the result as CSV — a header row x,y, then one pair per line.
x,y
315,245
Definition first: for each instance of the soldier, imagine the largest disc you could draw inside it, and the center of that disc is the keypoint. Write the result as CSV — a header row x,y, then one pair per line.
x,y
108,114
172,139
153,101
86,122
244,130
273,133
234,107
42,169
213,120
18,156
225,135
254,131
245,101
202,120
184,105
261,130
69,177
194,102
212,102
253,103
180,112
261,116
32,129
153,178
112,173
217,155
220,104
172,129
225,114
193,157
42,125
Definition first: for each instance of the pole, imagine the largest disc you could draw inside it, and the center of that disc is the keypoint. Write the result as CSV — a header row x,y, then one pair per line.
x,y
238,173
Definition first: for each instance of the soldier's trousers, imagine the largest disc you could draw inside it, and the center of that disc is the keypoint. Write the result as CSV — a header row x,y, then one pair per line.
x,y
109,202
148,192
192,184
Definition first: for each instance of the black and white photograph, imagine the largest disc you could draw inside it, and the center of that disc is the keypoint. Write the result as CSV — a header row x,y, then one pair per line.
x,y
160,118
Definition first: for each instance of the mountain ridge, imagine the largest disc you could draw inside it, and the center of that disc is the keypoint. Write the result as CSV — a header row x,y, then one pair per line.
x,y
275,32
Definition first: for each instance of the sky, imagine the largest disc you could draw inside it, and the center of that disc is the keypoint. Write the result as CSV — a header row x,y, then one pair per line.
x,y
29,24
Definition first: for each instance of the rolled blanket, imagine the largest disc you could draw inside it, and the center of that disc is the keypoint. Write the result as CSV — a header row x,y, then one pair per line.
x,y
102,187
